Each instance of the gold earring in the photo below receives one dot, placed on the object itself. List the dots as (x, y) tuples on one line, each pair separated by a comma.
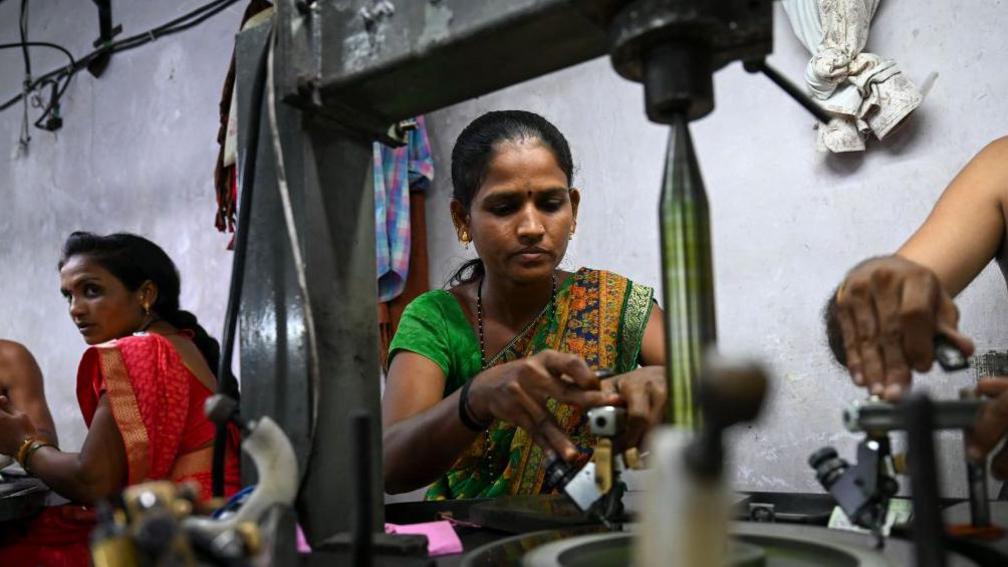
[(146, 308), (465, 239)]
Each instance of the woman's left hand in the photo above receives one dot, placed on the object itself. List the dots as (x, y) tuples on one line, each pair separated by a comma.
[(14, 427), (644, 394)]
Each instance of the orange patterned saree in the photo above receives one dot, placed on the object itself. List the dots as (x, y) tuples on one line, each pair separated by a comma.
[(598, 315)]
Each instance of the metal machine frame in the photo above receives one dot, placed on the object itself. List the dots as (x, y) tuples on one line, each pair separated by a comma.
[(351, 69)]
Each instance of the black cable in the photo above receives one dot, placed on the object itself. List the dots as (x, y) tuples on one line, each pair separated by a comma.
[(23, 28), (24, 137), (178, 24), (201, 19), (151, 36), (53, 106), (238, 262), (52, 102), (169, 27), (42, 81), (40, 44), (195, 12)]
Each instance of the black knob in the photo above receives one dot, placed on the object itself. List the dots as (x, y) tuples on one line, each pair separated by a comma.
[(824, 454)]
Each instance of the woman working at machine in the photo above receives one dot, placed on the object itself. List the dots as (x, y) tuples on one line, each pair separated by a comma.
[(488, 379), (141, 388)]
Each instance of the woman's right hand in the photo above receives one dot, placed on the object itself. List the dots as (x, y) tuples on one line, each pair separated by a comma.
[(991, 426), (15, 427), (889, 310), (517, 392)]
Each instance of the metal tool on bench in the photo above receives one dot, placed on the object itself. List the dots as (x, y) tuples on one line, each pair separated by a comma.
[(156, 523), (596, 488), (863, 489)]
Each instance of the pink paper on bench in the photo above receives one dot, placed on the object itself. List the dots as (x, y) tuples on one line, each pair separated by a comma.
[(441, 536)]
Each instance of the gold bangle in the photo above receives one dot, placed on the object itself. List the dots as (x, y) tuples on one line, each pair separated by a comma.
[(35, 446), (28, 440)]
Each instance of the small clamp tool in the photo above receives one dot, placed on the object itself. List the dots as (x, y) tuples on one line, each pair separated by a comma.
[(863, 490), (596, 488)]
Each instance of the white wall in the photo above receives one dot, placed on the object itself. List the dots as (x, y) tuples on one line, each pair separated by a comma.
[(136, 153), (787, 221), (138, 145)]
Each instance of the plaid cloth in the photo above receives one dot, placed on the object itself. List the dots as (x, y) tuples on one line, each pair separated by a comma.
[(396, 172)]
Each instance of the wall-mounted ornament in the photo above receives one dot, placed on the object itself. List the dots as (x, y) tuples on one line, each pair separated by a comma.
[(867, 93)]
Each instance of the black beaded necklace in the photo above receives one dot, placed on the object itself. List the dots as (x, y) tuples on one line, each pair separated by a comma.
[(484, 363)]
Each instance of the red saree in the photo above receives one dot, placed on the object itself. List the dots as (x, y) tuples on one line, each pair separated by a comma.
[(157, 404)]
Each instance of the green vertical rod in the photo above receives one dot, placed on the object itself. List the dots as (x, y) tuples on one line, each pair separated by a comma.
[(687, 273)]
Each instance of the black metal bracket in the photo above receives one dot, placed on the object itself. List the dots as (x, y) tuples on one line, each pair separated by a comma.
[(761, 66), (106, 31)]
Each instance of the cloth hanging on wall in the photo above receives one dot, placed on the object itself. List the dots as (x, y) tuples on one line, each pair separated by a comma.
[(225, 171), (401, 178), (866, 92), (396, 172), (390, 312)]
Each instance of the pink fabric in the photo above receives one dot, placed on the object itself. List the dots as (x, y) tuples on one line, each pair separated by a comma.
[(441, 536), (302, 541)]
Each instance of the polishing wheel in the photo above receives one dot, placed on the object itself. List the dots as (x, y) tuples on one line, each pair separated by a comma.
[(754, 545)]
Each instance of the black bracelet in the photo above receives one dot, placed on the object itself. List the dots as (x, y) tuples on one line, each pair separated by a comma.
[(463, 410)]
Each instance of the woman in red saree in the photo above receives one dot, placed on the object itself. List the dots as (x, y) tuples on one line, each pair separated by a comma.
[(141, 387)]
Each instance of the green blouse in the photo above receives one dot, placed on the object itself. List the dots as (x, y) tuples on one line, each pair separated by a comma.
[(434, 326), (598, 315)]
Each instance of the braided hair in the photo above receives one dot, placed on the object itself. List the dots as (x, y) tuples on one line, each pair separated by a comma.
[(134, 260)]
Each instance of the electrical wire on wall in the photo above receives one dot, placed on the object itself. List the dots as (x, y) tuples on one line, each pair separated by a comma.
[(57, 80), (25, 135), (49, 120)]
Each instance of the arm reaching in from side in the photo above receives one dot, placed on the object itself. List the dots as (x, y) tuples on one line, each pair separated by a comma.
[(21, 380), (883, 318)]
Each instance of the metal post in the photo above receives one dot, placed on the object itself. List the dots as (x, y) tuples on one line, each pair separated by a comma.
[(687, 273), (328, 174), (360, 541), (928, 533)]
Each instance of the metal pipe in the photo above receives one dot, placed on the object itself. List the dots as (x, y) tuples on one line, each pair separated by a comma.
[(976, 477), (360, 538), (928, 533), (879, 417), (790, 88), (687, 273)]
